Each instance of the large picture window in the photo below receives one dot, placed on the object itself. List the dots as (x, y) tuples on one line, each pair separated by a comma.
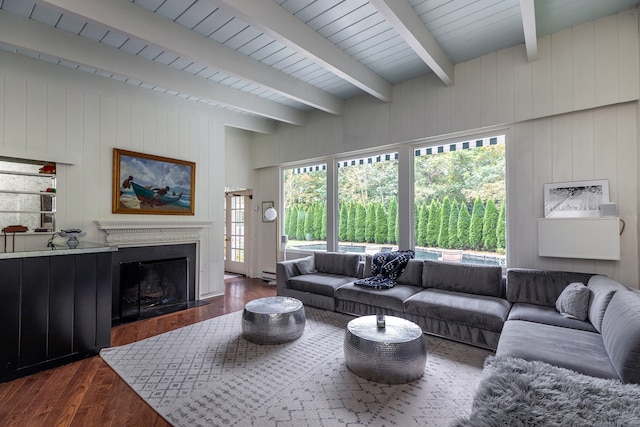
[(459, 201), (305, 207), (368, 204)]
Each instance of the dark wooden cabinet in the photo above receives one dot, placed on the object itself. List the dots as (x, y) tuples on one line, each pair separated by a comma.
[(53, 310)]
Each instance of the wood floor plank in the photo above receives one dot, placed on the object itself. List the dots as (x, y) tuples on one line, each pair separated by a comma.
[(90, 393)]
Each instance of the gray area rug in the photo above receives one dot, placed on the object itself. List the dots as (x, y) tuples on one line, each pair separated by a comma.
[(206, 374), (514, 392)]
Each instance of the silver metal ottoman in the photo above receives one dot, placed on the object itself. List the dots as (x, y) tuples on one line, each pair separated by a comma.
[(273, 320), (394, 354)]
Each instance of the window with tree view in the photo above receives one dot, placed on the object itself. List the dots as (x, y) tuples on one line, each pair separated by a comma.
[(459, 201), (305, 207), (368, 204)]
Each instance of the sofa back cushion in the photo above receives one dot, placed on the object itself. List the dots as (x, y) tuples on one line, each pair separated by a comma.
[(542, 287), (412, 274), (602, 290), (621, 334), (337, 263), (467, 278)]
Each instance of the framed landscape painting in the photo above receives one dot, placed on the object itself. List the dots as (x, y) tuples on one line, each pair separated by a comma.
[(575, 199), (147, 184)]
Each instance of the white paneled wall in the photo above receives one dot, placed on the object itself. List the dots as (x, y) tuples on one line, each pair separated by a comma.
[(570, 115), (53, 113), (592, 144)]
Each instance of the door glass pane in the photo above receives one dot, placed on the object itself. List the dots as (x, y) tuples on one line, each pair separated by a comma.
[(237, 229)]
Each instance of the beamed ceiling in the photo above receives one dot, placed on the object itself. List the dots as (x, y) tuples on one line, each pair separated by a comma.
[(278, 59)]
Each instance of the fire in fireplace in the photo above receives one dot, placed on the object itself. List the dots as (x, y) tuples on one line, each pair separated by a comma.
[(151, 288)]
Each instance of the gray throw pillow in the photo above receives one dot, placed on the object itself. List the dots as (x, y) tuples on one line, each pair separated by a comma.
[(306, 265), (573, 302)]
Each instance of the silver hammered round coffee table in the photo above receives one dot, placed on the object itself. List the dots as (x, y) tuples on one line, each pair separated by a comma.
[(273, 320), (394, 354)]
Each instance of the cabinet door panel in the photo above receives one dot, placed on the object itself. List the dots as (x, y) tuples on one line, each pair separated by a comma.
[(85, 302), (9, 315), (35, 306), (61, 295), (103, 301)]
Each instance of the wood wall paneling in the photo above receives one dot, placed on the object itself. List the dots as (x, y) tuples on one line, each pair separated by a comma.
[(15, 117), (628, 66), (562, 72), (541, 80), (488, 90), (583, 63), (37, 117)]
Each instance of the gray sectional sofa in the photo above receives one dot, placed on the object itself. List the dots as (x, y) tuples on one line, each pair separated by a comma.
[(515, 315), (458, 301), (606, 344)]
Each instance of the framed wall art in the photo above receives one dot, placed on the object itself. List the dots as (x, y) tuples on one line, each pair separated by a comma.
[(147, 184), (575, 199)]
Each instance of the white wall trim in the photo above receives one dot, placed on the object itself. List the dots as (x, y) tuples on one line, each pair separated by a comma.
[(145, 232)]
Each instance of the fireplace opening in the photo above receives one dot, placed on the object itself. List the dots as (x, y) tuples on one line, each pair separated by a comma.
[(152, 288), (136, 261)]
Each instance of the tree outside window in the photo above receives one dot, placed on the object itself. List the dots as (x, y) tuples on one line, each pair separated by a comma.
[(305, 207), (368, 204), (459, 201)]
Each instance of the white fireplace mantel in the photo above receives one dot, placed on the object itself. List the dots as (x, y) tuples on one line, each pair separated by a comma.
[(150, 232)]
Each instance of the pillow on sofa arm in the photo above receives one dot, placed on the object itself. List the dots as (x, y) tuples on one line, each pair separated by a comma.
[(573, 302), (306, 265)]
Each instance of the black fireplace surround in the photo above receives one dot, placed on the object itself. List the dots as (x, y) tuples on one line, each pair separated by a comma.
[(135, 262)]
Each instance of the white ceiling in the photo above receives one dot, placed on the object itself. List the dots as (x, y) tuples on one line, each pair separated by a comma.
[(277, 59)]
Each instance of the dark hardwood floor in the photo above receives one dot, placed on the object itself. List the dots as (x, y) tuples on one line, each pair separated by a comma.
[(89, 393)]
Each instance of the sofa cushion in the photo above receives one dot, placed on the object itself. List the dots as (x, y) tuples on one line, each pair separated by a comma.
[(573, 302), (484, 312), (337, 263), (412, 274), (468, 278), (621, 334), (548, 316), (319, 283), (392, 298), (602, 290), (581, 351), (541, 287)]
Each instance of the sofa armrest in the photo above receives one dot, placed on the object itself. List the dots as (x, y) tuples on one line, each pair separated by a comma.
[(285, 270)]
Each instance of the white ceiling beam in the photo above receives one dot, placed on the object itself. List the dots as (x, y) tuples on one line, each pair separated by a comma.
[(528, 11), (153, 28), (33, 36), (274, 20), (407, 23)]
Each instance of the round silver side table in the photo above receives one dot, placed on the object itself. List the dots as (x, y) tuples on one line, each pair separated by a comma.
[(273, 320), (394, 354)]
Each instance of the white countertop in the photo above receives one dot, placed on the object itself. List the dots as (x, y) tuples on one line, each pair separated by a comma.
[(82, 248)]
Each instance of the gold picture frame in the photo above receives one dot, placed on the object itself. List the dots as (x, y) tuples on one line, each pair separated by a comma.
[(148, 184)]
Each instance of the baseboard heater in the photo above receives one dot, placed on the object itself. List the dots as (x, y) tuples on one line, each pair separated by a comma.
[(268, 276)]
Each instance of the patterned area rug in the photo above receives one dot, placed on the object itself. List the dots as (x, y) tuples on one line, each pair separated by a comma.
[(206, 374)]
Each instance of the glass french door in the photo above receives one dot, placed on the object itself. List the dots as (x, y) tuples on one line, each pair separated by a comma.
[(235, 249)]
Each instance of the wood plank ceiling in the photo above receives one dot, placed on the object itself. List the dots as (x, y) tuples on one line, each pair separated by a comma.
[(278, 59)]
